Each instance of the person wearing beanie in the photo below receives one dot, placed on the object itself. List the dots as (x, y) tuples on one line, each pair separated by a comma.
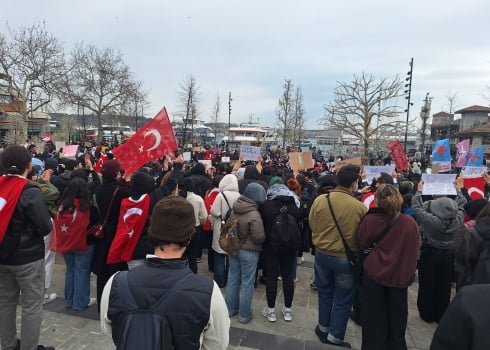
[(439, 223), (200, 180), (250, 175), (243, 265), (24, 221), (471, 246), (108, 198), (196, 311)]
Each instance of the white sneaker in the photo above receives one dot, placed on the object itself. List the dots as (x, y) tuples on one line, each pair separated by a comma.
[(270, 315), (92, 301), (287, 313), (299, 260), (49, 298), (296, 279)]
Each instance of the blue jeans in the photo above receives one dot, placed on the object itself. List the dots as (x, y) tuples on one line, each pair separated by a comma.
[(77, 277), (336, 286), (241, 278), (220, 269)]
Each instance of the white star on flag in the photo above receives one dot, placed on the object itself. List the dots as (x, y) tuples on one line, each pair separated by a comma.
[(141, 149), (64, 228)]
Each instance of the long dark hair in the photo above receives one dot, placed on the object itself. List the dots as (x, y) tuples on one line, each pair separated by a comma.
[(76, 188)]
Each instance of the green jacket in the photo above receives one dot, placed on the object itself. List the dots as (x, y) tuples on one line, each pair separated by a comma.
[(51, 195), (349, 212)]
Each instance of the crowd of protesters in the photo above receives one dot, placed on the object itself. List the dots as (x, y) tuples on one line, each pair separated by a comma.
[(404, 234)]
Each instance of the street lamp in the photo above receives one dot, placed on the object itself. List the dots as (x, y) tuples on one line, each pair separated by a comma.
[(409, 92), (229, 118)]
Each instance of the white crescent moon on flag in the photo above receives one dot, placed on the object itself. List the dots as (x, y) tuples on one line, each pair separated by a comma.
[(3, 201), (477, 190), (132, 211), (367, 202), (158, 138), (74, 215)]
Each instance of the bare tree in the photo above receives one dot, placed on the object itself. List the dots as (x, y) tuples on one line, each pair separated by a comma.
[(68, 127), (284, 111), (451, 99), (32, 62), (98, 80), (215, 116), (188, 99), (361, 102), (298, 119)]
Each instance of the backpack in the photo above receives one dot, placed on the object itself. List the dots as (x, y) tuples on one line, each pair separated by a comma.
[(228, 238), (144, 328), (285, 235)]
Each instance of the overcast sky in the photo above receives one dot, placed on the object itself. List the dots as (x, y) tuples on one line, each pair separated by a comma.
[(249, 47)]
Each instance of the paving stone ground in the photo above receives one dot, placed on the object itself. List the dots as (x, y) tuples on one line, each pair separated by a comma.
[(69, 330)]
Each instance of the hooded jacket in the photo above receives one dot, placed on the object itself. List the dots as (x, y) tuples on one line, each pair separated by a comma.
[(229, 186), (251, 233), (440, 221)]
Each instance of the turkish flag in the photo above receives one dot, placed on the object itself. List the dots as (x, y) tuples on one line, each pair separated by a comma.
[(11, 187), (98, 165), (368, 199), (132, 219), (154, 140), (398, 155), (70, 229), (475, 187)]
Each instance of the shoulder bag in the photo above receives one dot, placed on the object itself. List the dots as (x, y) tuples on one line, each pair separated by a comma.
[(97, 230)]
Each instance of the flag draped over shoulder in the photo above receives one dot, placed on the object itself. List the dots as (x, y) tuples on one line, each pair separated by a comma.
[(154, 140), (441, 152), (11, 187), (369, 200), (463, 148), (476, 157), (132, 219), (70, 229)]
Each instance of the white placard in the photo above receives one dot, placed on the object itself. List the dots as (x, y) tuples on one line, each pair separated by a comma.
[(443, 167), (186, 156), (439, 184), (225, 159), (70, 151), (473, 171), (207, 163), (250, 152), (373, 171)]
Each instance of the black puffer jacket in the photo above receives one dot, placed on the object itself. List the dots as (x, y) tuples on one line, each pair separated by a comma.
[(31, 221)]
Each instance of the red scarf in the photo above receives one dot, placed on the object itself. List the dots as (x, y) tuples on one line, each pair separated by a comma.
[(70, 229), (132, 219), (11, 187)]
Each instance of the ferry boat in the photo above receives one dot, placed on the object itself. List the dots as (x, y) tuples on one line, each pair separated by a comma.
[(245, 135)]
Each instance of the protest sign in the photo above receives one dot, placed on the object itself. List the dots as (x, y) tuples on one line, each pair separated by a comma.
[(301, 160), (373, 171), (438, 184), (250, 153), (398, 155), (355, 161), (186, 156), (442, 167), (207, 163), (473, 171), (225, 159), (308, 160), (70, 151)]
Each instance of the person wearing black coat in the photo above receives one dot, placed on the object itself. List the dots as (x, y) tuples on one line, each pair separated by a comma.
[(251, 175), (278, 262), (111, 172), (200, 180)]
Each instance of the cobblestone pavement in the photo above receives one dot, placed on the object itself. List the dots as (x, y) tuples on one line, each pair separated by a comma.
[(72, 331)]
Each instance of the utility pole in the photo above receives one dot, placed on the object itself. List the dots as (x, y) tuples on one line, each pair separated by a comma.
[(229, 116), (424, 114), (409, 91)]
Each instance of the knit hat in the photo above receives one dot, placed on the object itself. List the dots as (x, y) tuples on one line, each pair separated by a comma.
[(255, 192), (275, 180), (142, 183), (110, 168), (172, 220)]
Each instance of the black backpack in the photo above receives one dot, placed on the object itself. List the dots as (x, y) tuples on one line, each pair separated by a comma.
[(144, 328), (285, 235)]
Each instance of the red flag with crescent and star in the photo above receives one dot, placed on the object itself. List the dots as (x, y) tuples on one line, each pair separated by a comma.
[(70, 229), (369, 200), (154, 140), (11, 187), (475, 187), (132, 219)]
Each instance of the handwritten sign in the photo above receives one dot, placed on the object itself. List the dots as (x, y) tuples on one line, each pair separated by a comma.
[(225, 159), (70, 151), (439, 184), (250, 152), (473, 171), (186, 156), (207, 163), (373, 171), (441, 167)]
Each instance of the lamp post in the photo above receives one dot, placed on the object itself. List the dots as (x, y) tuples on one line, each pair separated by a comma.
[(229, 117), (409, 91)]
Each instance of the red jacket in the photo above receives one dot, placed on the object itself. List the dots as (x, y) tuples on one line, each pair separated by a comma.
[(208, 202), (393, 261)]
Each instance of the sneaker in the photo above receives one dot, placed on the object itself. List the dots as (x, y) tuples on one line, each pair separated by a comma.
[(270, 315), (299, 260), (92, 301), (295, 279), (49, 298), (287, 313), (42, 347), (244, 320), (313, 286)]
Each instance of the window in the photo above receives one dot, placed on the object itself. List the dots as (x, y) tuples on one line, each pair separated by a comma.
[(5, 99)]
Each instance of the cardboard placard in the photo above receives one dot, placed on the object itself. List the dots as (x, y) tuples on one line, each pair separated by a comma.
[(373, 171), (355, 161), (439, 184), (301, 160)]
